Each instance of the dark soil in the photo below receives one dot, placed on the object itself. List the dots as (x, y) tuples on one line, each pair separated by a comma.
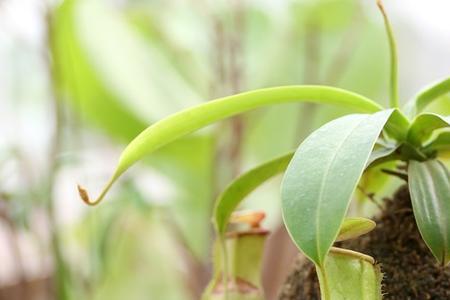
[(410, 270)]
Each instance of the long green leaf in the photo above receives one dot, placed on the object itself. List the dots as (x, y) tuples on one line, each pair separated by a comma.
[(424, 125), (429, 185), (79, 82), (243, 186), (349, 275), (431, 93), (190, 120), (322, 176)]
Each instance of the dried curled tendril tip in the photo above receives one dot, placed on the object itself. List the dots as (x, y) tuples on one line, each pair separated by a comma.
[(381, 6), (84, 195)]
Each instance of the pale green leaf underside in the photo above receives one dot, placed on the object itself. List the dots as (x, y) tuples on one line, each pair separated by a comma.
[(190, 120), (424, 125), (322, 176), (349, 275), (429, 186), (354, 227)]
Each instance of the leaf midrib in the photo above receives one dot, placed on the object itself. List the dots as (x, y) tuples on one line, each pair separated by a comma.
[(324, 179)]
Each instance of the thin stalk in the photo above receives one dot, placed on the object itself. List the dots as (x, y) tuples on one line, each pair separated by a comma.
[(393, 99), (324, 287), (61, 269)]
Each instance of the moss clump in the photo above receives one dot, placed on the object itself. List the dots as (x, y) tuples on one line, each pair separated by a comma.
[(410, 270)]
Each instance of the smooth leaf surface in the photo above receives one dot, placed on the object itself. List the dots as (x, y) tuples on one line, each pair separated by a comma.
[(431, 93), (349, 275), (440, 143), (354, 227), (398, 126), (382, 155), (244, 185), (322, 176), (190, 120), (424, 125), (429, 186)]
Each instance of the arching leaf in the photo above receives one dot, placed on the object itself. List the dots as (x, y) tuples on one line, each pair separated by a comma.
[(429, 94), (190, 120), (424, 125), (322, 176), (244, 185)]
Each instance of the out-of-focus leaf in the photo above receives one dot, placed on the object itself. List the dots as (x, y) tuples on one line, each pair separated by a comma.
[(190, 120), (320, 180), (79, 83), (129, 64), (326, 14), (424, 125), (165, 28), (349, 275), (429, 185), (112, 79), (94, 66)]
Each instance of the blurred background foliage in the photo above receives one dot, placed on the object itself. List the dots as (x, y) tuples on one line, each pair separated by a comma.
[(81, 78)]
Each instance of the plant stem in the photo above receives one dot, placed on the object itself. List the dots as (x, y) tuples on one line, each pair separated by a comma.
[(61, 270), (393, 58), (324, 287)]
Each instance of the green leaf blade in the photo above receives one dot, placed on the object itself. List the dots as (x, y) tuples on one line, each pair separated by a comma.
[(322, 177), (243, 186), (440, 143), (190, 120), (429, 186), (431, 93), (424, 125)]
